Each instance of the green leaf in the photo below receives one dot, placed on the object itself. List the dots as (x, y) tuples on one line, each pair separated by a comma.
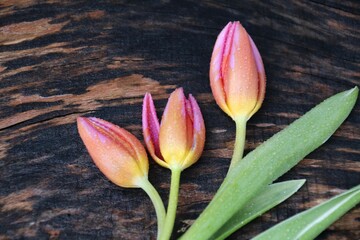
[(270, 160), (310, 223), (272, 196)]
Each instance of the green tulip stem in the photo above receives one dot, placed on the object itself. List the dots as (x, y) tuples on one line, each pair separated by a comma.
[(239, 140), (157, 202), (172, 205)]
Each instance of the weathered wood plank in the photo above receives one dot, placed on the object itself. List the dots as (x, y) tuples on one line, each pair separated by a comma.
[(63, 59)]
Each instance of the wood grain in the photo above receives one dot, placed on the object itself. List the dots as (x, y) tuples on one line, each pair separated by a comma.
[(63, 59)]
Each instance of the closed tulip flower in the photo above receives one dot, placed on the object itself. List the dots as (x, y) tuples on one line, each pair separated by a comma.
[(121, 157), (176, 143), (237, 75), (237, 79), (118, 154)]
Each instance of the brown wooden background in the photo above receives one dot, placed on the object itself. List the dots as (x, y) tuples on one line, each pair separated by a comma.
[(63, 59)]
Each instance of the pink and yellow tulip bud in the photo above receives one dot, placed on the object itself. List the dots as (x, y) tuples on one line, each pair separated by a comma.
[(179, 140), (237, 75), (118, 154)]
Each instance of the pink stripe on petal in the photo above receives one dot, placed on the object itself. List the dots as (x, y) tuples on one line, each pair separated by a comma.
[(189, 110), (221, 39), (258, 59), (218, 52), (261, 76), (216, 68), (198, 141), (198, 120), (108, 132), (189, 124), (151, 126), (226, 51)]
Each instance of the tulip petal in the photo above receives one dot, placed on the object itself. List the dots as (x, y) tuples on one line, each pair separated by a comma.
[(226, 56), (116, 152), (173, 133), (240, 89), (189, 124), (216, 66), (151, 129), (262, 78), (198, 138)]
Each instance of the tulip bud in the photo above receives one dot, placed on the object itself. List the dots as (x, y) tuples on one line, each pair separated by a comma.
[(179, 141), (118, 154), (237, 75)]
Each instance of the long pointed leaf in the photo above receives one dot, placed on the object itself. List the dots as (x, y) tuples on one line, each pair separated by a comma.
[(272, 196), (270, 160), (310, 223)]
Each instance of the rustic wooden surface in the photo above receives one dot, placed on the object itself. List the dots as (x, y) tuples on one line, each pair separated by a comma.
[(64, 59)]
